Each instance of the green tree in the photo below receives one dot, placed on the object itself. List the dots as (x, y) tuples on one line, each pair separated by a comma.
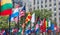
[(43, 13)]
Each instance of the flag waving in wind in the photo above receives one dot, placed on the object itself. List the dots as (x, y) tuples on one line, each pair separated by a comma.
[(22, 12), (6, 7), (14, 14)]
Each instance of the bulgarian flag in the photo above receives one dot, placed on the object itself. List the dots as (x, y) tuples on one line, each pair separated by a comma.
[(6, 7)]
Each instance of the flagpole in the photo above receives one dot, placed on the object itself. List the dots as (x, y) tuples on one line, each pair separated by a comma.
[(18, 19), (9, 25)]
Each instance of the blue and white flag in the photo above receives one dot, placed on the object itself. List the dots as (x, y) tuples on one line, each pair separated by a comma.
[(14, 14)]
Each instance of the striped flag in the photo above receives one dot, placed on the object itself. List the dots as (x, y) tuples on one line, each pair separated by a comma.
[(22, 12), (6, 7), (14, 14)]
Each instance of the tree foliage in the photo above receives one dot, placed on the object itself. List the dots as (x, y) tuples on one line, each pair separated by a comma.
[(43, 13)]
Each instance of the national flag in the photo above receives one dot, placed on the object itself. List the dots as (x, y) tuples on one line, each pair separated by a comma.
[(55, 27), (37, 28), (20, 31), (28, 18), (6, 7), (22, 12), (52, 27), (44, 24), (41, 23), (43, 27), (32, 22), (49, 23), (33, 18), (16, 20), (14, 14), (28, 30), (3, 32)]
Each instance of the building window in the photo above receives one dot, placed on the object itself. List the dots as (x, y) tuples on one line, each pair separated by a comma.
[(45, 1), (38, 7), (41, 2), (59, 8), (50, 9), (55, 0), (55, 19), (54, 14), (54, 4), (34, 2), (37, 1), (54, 9), (50, 0), (34, 8), (41, 6), (59, 13), (50, 5), (59, 3), (45, 5)]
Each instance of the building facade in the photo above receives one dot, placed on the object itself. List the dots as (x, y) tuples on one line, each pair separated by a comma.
[(53, 5)]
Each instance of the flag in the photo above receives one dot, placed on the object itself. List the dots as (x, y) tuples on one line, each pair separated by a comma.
[(44, 24), (6, 7), (49, 23), (32, 22), (43, 27), (3, 32), (28, 18), (37, 28), (14, 14), (52, 27), (22, 12), (41, 23), (16, 19), (28, 30), (20, 31), (55, 27), (33, 18)]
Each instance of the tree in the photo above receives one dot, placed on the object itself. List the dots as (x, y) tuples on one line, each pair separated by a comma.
[(43, 13)]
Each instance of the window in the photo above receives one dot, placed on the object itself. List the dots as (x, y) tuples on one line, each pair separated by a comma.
[(59, 13), (34, 2), (49, 0), (59, 3), (54, 9), (50, 9), (37, 1), (54, 4), (34, 8), (41, 2), (45, 1), (45, 5), (59, 8), (55, 19), (41, 6), (54, 14), (50, 5), (55, 0), (38, 7)]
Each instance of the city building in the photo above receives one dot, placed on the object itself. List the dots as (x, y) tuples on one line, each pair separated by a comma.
[(53, 5)]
